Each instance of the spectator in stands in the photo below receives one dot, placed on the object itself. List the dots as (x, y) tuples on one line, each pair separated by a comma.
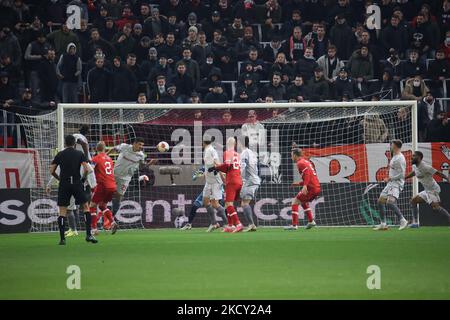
[(192, 68), (271, 51), (288, 26), (147, 62), (195, 98), (235, 30), (7, 91), (207, 66), (60, 39), (388, 87), (100, 20), (306, 65), (27, 105), (141, 99), (171, 50), (249, 86), (144, 13), (428, 110), (127, 17), (272, 13), (225, 10), (175, 6), (318, 89), (69, 69), (201, 49), (360, 66), (281, 66), (14, 72), (258, 66), (212, 24), (394, 64), (34, 54), (223, 56), (439, 128), (375, 130), (413, 66), (192, 21), (160, 89), (135, 69), (295, 46), (191, 40), (341, 36), (48, 78), (345, 85), (268, 99), (415, 89), (207, 85), (83, 36), (330, 64), (109, 30), (275, 88), (171, 96), (247, 43), (137, 33), (161, 69), (226, 117), (123, 82), (394, 36), (296, 92), (183, 82), (172, 24), (242, 96), (98, 42), (99, 82), (247, 10), (374, 49), (319, 42), (438, 71), (123, 41), (9, 45), (216, 95), (154, 24)]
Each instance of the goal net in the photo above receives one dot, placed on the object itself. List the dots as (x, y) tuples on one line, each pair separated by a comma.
[(348, 143)]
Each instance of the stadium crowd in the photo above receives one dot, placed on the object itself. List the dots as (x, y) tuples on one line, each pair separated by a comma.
[(179, 51)]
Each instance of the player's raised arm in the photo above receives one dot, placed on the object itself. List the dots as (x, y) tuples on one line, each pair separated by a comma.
[(442, 175), (53, 167), (410, 175)]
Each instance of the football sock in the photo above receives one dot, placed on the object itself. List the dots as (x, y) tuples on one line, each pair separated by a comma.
[(444, 212), (221, 213), (294, 214), (61, 221), (415, 212), (308, 211), (87, 217), (396, 210), (107, 214), (94, 217), (248, 213), (382, 208), (71, 220), (193, 212), (212, 214), (233, 215)]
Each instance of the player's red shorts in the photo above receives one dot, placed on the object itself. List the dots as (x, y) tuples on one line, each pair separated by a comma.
[(312, 194), (102, 194), (232, 192)]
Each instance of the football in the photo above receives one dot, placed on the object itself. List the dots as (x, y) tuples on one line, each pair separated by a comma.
[(163, 146)]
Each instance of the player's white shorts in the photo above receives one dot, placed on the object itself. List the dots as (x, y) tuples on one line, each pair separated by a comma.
[(391, 191), (122, 185), (213, 191), (248, 192), (430, 196)]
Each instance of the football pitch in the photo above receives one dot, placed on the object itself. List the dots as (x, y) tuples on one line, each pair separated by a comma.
[(322, 263)]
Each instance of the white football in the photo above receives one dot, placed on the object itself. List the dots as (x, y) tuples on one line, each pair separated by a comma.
[(163, 146)]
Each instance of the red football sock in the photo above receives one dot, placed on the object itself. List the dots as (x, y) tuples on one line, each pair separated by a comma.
[(108, 215), (294, 214), (94, 217), (233, 217), (308, 211)]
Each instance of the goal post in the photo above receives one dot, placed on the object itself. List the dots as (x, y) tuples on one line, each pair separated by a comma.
[(346, 141)]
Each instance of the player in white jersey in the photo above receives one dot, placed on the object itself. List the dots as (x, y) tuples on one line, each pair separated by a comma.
[(395, 183), (212, 192), (250, 182), (82, 143), (431, 189), (130, 158)]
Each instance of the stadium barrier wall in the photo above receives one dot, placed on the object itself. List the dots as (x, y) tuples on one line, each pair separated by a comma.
[(155, 209)]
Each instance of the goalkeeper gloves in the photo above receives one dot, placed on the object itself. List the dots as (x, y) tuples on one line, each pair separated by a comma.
[(197, 174)]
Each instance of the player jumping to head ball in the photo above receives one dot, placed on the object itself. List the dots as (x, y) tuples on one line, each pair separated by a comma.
[(310, 189), (430, 195)]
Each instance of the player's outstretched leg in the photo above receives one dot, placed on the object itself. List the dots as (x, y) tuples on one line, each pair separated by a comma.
[(294, 214), (235, 219), (415, 212), (248, 213), (391, 204), (88, 221), (115, 209), (72, 224), (221, 213), (309, 215), (212, 217)]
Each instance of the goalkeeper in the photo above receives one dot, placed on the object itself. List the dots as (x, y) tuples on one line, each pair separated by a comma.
[(198, 203)]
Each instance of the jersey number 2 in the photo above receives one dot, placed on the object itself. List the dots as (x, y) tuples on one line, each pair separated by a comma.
[(108, 168)]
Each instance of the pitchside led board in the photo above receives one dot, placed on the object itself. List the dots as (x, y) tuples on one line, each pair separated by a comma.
[(334, 168)]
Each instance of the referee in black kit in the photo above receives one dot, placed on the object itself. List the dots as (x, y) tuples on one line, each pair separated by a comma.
[(71, 183)]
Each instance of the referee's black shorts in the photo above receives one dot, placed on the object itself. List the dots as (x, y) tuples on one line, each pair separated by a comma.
[(67, 190)]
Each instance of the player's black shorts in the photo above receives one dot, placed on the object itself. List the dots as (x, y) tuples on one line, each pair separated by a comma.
[(67, 190)]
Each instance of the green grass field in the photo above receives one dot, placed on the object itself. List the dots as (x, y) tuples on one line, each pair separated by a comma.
[(323, 263)]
